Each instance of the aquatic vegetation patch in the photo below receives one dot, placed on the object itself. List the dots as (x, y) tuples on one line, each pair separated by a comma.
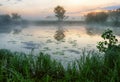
[(49, 41), (73, 51), (58, 53), (47, 48), (31, 45)]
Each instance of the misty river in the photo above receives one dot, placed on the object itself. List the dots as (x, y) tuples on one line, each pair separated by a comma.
[(60, 41)]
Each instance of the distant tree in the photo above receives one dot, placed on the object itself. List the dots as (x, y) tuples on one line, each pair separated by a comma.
[(60, 13), (5, 19), (16, 19), (115, 16), (15, 16), (98, 17)]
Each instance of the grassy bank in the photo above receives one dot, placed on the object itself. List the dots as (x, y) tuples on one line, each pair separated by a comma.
[(21, 67)]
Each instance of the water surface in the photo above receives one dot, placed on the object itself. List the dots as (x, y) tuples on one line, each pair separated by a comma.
[(61, 42)]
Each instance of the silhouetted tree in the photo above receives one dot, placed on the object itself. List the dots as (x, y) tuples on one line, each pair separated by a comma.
[(98, 17), (5, 19), (15, 16), (60, 13)]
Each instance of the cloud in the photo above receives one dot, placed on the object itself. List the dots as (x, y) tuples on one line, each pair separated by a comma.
[(82, 11), (97, 8), (111, 7)]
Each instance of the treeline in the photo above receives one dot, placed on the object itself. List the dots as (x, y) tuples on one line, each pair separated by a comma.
[(112, 16), (14, 18)]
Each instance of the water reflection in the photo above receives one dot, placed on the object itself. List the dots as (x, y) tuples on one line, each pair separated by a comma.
[(51, 40), (59, 35), (93, 30), (90, 31), (5, 29), (15, 29)]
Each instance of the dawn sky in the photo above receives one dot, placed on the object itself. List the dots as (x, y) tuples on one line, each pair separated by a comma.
[(43, 8)]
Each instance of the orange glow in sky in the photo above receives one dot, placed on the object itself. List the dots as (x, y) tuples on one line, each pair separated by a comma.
[(46, 7)]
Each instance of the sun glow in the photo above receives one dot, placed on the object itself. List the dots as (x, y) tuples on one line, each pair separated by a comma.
[(75, 2), (43, 8)]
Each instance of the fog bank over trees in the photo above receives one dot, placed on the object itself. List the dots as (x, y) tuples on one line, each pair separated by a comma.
[(14, 18), (111, 16)]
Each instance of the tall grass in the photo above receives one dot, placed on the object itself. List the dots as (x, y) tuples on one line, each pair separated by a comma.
[(21, 67)]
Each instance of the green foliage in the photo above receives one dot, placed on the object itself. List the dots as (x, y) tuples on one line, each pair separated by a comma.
[(110, 41), (60, 13), (90, 67), (110, 47), (21, 67)]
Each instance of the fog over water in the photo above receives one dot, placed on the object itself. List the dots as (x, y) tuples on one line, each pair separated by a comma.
[(63, 42)]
